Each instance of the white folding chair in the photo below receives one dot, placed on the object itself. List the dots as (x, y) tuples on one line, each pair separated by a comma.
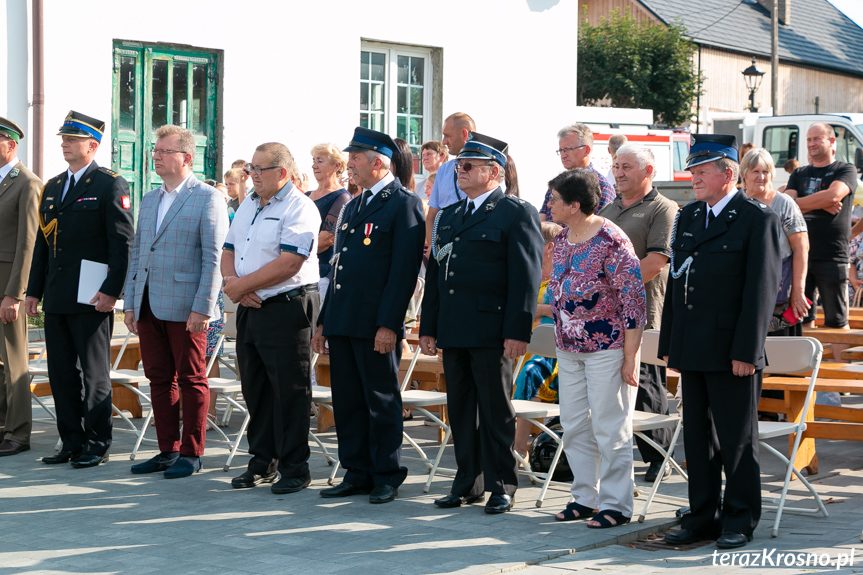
[(322, 397), (227, 390), (38, 371), (421, 400), (541, 343), (642, 422), (788, 355)]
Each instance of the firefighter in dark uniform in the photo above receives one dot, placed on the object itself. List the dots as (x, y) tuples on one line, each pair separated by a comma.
[(378, 246), (725, 271), (84, 214), (480, 299)]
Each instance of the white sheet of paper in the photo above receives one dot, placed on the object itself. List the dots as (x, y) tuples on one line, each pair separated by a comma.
[(92, 276)]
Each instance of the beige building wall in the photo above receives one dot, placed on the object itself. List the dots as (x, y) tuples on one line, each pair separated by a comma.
[(725, 86)]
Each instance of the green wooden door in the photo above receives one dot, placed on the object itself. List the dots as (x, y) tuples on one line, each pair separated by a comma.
[(154, 86)]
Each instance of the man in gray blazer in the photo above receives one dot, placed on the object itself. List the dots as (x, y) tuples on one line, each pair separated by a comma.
[(171, 293)]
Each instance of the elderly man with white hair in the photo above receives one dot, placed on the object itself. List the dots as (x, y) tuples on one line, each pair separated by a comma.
[(647, 218)]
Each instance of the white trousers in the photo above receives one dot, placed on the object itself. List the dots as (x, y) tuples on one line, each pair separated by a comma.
[(596, 414)]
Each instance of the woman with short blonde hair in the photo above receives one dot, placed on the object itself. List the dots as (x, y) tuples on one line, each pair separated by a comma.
[(328, 164)]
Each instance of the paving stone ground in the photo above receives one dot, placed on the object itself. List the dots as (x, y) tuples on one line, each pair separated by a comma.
[(55, 519)]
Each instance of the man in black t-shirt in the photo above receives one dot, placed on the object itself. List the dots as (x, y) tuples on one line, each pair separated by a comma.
[(823, 192)]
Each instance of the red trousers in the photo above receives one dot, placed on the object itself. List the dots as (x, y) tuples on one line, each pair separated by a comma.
[(175, 363)]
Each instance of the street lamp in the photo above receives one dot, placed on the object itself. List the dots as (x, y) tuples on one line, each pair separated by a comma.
[(753, 75)]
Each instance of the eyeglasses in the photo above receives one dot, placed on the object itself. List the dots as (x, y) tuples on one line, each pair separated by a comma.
[(257, 170), (562, 151), (158, 152), (554, 199), (468, 166)]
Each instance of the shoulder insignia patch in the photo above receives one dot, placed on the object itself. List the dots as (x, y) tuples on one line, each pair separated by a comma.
[(126, 202), (109, 172)]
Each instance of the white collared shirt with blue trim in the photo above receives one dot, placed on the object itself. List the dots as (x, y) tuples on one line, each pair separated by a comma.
[(289, 222)]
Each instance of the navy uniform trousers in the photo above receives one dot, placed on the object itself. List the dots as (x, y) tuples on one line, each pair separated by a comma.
[(83, 406), (731, 443), (479, 388), (368, 412)]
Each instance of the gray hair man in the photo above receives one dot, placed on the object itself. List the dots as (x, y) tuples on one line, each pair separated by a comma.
[(647, 218), (575, 143), (614, 144)]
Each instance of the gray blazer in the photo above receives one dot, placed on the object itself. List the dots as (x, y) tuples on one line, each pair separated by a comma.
[(179, 262)]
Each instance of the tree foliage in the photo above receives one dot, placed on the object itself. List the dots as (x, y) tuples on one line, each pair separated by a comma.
[(637, 66)]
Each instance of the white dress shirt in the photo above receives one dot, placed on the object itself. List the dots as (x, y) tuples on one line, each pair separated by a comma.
[(4, 171), (718, 207), (78, 175), (384, 182), (166, 200)]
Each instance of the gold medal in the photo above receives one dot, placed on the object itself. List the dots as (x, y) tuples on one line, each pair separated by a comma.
[(367, 241), (368, 231)]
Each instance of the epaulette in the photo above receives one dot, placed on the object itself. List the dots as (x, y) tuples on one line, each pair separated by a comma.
[(111, 173), (513, 199), (757, 203)]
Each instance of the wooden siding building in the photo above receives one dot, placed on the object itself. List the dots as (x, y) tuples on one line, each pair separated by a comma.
[(820, 52)]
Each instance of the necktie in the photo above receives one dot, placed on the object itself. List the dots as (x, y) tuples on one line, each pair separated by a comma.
[(468, 211), (710, 217), (365, 197), (69, 189)]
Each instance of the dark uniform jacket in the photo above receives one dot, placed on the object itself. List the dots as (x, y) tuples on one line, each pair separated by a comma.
[(373, 284), (487, 291), (94, 223), (724, 312)]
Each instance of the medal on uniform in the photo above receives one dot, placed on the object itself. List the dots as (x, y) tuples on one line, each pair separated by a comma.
[(368, 232)]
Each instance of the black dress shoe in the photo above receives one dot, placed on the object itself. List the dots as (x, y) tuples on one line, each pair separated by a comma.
[(161, 462), (732, 540), (89, 461), (291, 484), (61, 457), (344, 489), (453, 500), (653, 471), (383, 494), (682, 537), (9, 447), (499, 503), (249, 479)]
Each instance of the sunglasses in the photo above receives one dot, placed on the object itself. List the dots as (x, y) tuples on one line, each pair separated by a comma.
[(468, 166)]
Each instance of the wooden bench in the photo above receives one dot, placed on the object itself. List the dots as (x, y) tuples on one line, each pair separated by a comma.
[(849, 426)]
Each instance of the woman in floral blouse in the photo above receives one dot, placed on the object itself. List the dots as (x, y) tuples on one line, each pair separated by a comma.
[(599, 310)]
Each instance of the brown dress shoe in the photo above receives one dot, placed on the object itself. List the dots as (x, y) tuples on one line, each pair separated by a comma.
[(9, 447)]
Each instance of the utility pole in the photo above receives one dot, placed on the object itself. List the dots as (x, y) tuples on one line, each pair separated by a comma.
[(774, 60)]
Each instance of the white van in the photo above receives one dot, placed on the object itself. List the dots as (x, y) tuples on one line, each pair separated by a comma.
[(785, 138)]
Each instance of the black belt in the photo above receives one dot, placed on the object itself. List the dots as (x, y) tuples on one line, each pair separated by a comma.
[(287, 295)]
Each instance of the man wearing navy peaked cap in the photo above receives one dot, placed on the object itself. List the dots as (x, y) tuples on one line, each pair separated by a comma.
[(378, 251), (725, 268), (85, 213), (479, 304)]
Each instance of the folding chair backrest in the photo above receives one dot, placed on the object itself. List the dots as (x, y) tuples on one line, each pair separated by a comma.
[(229, 306), (229, 329), (650, 347), (792, 354), (122, 351), (542, 341)]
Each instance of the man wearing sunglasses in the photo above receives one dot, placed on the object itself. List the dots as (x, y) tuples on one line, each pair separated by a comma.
[(172, 292), (481, 289), (575, 143)]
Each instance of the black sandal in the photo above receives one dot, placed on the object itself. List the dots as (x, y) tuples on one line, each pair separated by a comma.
[(569, 514), (603, 519)]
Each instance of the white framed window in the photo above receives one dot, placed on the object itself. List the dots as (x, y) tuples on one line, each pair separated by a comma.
[(396, 91)]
